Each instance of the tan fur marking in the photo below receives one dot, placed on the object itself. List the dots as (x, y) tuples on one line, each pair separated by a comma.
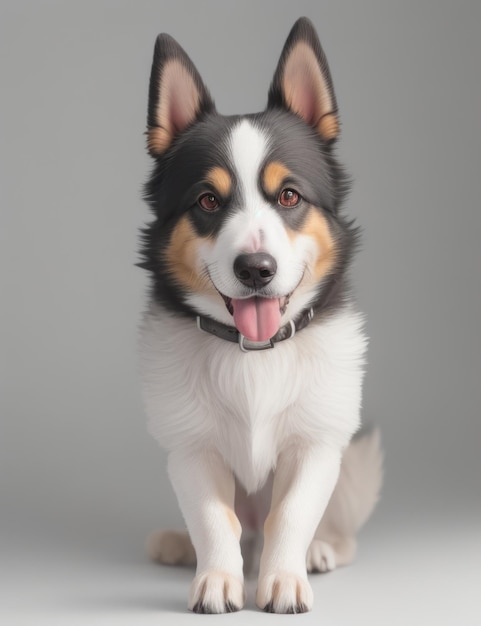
[(317, 228), (158, 140), (270, 522), (274, 174), (220, 179), (181, 255), (234, 522), (328, 127), (276, 588)]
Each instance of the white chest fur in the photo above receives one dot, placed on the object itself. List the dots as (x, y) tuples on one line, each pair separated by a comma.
[(202, 391)]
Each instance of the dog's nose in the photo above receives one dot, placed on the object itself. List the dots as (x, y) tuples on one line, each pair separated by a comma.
[(255, 270)]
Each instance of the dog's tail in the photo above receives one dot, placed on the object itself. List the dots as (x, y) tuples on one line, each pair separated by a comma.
[(358, 488)]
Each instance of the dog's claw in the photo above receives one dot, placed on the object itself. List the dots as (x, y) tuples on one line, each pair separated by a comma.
[(284, 593), (216, 592)]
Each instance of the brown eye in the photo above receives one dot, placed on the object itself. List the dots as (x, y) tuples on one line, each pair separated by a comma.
[(209, 202), (288, 198)]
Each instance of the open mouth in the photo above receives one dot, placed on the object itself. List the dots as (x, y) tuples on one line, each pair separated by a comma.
[(257, 318)]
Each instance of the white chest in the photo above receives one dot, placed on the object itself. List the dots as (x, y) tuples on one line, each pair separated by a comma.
[(200, 390)]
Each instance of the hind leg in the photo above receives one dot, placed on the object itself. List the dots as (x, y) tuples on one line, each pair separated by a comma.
[(174, 547), (326, 555), (171, 547), (351, 503)]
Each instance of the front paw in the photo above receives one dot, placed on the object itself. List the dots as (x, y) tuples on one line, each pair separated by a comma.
[(283, 592), (215, 591)]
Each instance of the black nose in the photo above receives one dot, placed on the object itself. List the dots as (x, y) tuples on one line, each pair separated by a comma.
[(255, 270)]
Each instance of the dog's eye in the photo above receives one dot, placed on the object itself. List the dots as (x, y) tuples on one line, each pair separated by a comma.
[(209, 202), (289, 198)]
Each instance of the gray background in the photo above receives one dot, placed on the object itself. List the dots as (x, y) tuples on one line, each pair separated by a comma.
[(81, 482)]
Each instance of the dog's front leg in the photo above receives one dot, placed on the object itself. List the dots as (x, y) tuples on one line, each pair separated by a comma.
[(205, 489), (303, 483)]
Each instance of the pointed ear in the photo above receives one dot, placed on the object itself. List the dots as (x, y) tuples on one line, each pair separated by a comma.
[(177, 95), (302, 81)]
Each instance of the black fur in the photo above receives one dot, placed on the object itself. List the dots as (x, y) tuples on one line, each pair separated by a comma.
[(179, 175)]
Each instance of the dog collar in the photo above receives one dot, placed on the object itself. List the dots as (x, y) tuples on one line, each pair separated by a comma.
[(229, 333)]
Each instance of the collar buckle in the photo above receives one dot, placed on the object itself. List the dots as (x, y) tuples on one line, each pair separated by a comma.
[(246, 345)]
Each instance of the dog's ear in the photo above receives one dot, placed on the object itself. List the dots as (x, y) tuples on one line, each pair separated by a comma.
[(302, 81), (177, 95)]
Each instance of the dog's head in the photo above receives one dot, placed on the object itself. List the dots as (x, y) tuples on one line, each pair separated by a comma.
[(247, 227)]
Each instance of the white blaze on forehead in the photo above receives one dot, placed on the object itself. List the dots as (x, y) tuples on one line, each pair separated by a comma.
[(254, 225), (248, 147)]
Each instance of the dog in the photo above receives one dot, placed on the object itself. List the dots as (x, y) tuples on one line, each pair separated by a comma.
[(252, 350)]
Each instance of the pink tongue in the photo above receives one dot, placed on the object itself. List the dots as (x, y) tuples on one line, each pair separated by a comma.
[(258, 319)]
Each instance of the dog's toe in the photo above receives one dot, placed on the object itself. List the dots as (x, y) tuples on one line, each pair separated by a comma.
[(283, 592), (216, 592)]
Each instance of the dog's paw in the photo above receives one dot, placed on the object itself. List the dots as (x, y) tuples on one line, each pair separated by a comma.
[(171, 547), (216, 592), (283, 592), (320, 557)]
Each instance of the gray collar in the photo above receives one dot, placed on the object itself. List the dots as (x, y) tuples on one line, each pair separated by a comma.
[(229, 333)]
